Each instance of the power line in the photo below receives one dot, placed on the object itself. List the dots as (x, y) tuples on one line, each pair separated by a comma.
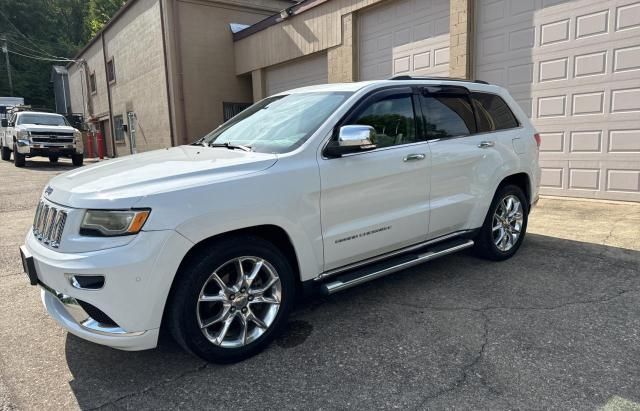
[(22, 34), (24, 49), (41, 58)]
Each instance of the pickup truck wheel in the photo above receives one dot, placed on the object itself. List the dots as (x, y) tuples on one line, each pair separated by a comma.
[(19, 160), (232, 299), (504, 226), (53, 159), (6, 153), (77, 159)]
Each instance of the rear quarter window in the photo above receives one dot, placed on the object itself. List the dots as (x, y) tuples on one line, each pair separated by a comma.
[(492, 113)]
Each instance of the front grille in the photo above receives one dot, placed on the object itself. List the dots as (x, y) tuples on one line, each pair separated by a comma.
[(51, 133), (65, 140), (48, 224)]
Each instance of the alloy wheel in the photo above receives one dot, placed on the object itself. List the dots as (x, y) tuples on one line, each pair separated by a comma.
[(239, 302), (507, 223)]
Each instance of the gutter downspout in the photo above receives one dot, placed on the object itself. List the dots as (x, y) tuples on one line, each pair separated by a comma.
[(166, 74), (106, 77)]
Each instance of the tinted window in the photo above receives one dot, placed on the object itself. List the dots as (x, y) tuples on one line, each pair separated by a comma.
[(447, 116), (493, 113), (393, 119)]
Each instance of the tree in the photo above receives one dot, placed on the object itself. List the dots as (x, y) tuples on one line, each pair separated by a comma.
[(39, 31), (99, 12)]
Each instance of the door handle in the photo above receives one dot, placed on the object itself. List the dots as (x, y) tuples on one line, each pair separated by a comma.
[(486, 144), (414, 157)]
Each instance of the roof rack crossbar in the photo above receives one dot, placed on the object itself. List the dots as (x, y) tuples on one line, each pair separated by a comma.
[(407, 77)]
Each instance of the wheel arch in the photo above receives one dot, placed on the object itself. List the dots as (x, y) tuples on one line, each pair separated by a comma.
[(272, 233), (521, 180)]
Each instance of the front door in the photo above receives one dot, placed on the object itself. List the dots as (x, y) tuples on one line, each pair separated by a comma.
[(377, 201)]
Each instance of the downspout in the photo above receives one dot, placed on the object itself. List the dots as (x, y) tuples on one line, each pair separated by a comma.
[(106, 77), (166, 75)]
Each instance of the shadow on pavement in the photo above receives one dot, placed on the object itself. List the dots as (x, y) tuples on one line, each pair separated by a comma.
[(554, 326)]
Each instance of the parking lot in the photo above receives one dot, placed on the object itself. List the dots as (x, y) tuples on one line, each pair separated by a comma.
[(557, 326)]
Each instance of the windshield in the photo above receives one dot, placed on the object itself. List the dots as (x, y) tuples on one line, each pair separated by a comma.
[(277, 124), (42, 120)]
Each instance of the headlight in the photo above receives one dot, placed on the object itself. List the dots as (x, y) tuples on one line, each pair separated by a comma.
[(109, 223), (77, 139), (22, 134)]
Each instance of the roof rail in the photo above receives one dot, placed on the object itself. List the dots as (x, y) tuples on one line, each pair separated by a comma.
[(406, 77)]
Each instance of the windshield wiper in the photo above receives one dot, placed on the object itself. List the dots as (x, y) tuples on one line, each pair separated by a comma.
[(231, 146)]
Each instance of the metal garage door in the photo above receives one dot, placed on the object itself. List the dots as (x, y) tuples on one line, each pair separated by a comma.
[(574, 66), (307, 71), (404, 37)]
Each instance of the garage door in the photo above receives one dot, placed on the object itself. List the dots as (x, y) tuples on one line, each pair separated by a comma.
[(404, 37), (574, 66), (307, 71)]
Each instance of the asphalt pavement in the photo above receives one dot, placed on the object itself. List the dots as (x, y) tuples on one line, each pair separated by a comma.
[(555, 327)]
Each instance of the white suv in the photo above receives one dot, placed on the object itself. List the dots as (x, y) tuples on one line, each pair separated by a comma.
[(319, 188)]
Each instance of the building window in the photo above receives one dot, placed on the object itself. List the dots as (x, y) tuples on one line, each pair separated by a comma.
[(118, 125), (111, 71), (92, 83), (231, 109)]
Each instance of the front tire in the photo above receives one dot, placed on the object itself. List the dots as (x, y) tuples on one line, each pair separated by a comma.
[(504, 226), (231, 299), (53, 159), (19, 160), (6, 153), (77, 159)]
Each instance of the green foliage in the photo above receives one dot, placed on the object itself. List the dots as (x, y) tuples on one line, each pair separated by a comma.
[(52, 28), (99, 12)]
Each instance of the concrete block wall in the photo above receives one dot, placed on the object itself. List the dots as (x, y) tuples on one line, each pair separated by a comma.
[(460, 32)]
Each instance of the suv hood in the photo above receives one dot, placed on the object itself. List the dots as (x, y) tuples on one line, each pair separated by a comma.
[(122, 182), (34, 127)]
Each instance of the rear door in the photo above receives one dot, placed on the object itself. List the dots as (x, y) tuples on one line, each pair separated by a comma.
[(377, 201), (465, 163)]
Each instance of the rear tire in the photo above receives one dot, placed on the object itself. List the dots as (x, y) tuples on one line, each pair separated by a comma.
[(504, 226), (214, 287), (77, 159), (53, 159), (19, 160), (6, 153)]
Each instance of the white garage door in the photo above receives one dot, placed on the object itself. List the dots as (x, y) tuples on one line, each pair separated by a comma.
[(307, 71), (404, 37), (574, 66)]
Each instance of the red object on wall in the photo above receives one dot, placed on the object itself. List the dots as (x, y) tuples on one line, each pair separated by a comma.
[(90, 145), (100, 144)]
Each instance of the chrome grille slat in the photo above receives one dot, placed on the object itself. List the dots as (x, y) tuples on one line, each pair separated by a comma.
[(48, 224)]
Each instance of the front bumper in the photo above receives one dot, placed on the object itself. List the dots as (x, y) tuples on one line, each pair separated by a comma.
[(138, 277), (28, 148)]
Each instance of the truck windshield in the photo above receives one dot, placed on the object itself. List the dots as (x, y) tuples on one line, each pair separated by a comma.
[(42, 120), (277, 124)]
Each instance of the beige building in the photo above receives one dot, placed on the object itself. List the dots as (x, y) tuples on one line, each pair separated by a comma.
[(573, 66), (161, 72)]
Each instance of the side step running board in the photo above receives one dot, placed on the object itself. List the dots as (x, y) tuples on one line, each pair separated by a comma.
[(377, 270)]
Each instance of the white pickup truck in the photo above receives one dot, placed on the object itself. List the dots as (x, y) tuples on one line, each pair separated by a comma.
[(35, 134), (319, 188)]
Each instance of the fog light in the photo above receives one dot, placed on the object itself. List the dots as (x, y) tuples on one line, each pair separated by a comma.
[(86, 281)]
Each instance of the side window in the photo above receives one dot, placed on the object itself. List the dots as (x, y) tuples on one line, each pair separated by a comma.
[(392, 117), (447, 116), (493, 113)]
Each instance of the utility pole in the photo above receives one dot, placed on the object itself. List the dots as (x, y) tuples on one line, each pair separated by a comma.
[(5, 50)]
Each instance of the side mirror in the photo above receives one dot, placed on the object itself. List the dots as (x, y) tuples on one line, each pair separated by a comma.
[(5, 123), (352, 139)]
